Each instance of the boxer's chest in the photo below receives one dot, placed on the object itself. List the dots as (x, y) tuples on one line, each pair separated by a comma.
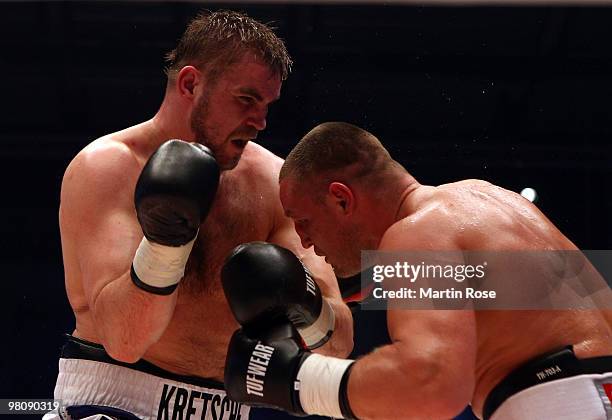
[(241, 213), (204, 322)]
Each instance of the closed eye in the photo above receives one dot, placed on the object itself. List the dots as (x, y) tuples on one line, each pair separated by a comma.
[(247, 100)]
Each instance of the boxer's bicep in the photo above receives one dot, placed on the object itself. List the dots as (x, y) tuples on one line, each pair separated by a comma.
[(106, 254), (99, 227), (445, 342), (446, 338), (427, 371), (450, 333)]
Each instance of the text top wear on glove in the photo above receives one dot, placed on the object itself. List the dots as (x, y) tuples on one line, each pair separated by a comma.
[(272, 370)]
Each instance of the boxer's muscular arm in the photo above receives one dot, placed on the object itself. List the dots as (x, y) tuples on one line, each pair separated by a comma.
[(428, 370), (284, 234), (426, 373), (97, 217)]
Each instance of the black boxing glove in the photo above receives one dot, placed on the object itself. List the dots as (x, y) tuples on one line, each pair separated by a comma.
[(272, 370), (264, 282), (173, 196), (261, 371)]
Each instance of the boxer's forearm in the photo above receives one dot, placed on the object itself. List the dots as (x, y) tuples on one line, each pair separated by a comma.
[(129, 319), (389, 384)]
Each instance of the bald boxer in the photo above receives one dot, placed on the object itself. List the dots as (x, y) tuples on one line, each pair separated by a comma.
[(346, 194), (148, 215)]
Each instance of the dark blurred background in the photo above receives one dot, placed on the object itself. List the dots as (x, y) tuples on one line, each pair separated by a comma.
[(516, 96)]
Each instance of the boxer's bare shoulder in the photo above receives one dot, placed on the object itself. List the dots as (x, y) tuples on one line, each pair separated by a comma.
[(100, 178), (444, 207), (98, 160), (474, 214), (110, 159), (262, 165)]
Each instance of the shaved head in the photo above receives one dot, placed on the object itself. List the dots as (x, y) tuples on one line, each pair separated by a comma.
[(338, 151)]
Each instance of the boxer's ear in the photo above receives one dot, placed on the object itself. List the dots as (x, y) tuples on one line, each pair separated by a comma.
[(342, 197), (187, 80)]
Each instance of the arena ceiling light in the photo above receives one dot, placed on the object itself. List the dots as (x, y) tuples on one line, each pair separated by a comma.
[(530, 194)]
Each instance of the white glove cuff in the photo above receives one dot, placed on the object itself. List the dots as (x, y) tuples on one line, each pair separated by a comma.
[(159, 267), (320, 331), (319, 381)]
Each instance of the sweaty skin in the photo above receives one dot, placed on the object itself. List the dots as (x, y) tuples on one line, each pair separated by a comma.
[(441, 360), (188, 331)]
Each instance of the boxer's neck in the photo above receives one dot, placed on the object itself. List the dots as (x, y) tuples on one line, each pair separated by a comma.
[(395, 195), (400, 196), (172, 120)]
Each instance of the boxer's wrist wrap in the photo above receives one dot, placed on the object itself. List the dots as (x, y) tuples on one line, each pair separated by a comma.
[(321, 330), (159, 268), (320, 382)]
